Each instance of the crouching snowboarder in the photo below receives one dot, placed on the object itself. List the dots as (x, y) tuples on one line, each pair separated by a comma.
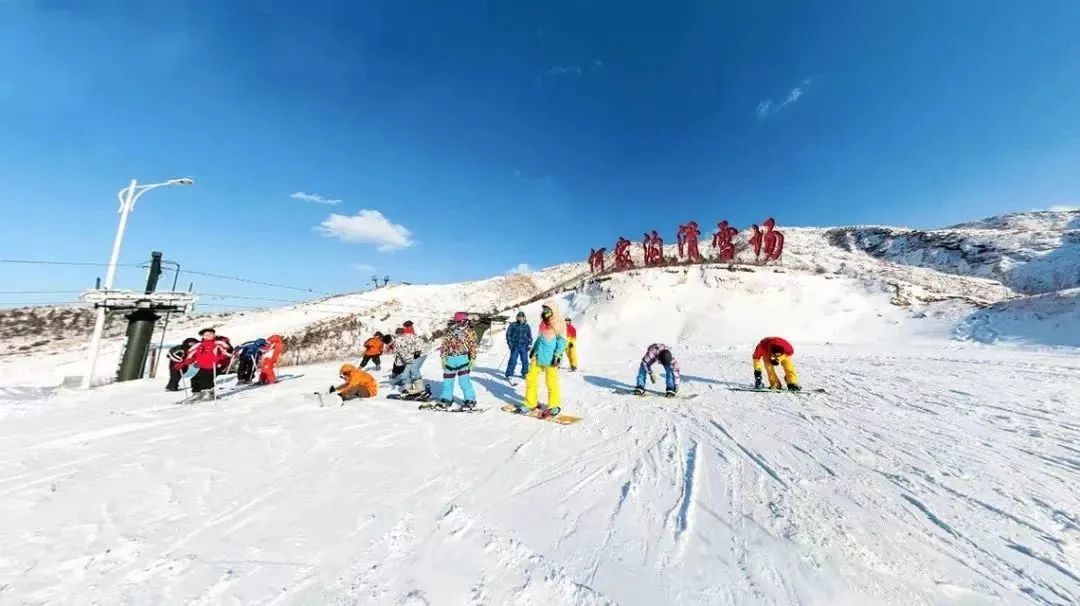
[(271, 353), (658, 352), (779, 353), (409, 358), (248, 356), (358, 384)]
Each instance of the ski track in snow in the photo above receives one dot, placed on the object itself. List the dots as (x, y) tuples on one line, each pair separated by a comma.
[(907, 483)]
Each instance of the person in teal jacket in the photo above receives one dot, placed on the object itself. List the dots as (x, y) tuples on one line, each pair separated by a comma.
[(546, 353)]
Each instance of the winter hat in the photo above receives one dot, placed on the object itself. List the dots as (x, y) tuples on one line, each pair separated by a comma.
[(206, 330), (399, 331), (521, 314), (555, 320), (190, 341), (408, 324), (461, 317), (387, 339)]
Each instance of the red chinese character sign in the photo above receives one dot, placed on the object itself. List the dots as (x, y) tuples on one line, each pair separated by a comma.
[(723, 241), (767, 241)]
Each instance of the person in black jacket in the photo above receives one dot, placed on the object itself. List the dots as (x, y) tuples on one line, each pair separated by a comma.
[(177, 354)]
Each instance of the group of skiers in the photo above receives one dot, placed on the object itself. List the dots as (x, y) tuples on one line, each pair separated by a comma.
[(212, 355), (769, 353)]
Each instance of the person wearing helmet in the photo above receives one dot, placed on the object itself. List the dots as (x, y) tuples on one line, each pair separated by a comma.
[(658, 352), (409, 358), (779, 352), (571, 345), (518, 339), (271, 353), (177, 366), (358, 384), (458, 353), (248, 355), (546, 353)]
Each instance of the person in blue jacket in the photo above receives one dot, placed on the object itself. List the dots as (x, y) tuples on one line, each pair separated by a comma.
[(248, 355), (518, 339)]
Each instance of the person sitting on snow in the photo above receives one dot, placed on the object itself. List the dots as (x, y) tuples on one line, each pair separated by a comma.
[(779, 353), (658, 352), (358, 384)]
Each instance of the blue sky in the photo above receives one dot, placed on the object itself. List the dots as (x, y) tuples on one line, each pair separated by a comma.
[(477, 135)]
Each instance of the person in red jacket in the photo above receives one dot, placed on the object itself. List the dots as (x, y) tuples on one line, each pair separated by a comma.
[(207, 355), (778, 352), (408, 326), (275, 346)]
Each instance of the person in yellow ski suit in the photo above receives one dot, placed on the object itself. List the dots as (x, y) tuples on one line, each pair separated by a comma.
[(571, 345), (546, 353)]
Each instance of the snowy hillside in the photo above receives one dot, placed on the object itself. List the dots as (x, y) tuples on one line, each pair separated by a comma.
[(1032, 252), (933, 471)]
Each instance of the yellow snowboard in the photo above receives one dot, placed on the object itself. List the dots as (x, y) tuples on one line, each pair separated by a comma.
[(561, 419)]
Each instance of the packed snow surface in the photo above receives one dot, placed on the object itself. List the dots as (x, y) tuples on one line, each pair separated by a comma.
[(933, 471)]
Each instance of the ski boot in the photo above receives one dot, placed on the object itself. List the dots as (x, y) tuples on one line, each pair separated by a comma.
[(547, 413), (793, 387), (639, 391), (671, 393), (468, 406)]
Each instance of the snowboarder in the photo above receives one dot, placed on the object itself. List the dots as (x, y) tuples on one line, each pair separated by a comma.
[(571, 345), (658, 352), (458, 355), (779, 352), (271, 353), (545, 356), (373, 349), (177, 354), (409, 357), (248, 356), (358, 384), (207, 355), (518, 339)]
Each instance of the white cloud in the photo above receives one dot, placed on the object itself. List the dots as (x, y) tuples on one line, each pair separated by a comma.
[(363, 267), (316, 198), (521, 268), (367, 227), (564, 70), (769, 107)]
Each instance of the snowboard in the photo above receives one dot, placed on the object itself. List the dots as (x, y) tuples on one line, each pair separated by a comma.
[(438, 407), (655, 394), (561, 419), (765, 390), (397, 396)]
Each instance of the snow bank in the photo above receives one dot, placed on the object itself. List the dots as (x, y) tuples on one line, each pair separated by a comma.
[(1048, 319)]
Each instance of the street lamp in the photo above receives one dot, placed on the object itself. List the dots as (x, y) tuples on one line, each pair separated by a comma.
[(128, 197)]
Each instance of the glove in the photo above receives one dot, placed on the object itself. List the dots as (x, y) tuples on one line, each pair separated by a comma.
[(416, 355), (758, 382), (556, 360), (793, 387), (532, 353), (569, 345), (333, 389)]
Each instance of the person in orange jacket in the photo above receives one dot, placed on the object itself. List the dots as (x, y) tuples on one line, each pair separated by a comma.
[(373, 350), (358, 384), (271, 353)]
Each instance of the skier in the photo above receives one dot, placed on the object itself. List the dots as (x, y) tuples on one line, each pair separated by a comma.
[(271, 353), (779, 353), (373, 349), (546, 353), (358, 384), (658, 352), (458, 354), (409, 357), (177, 353), (207, 355), (571, 344), (518, 339), (248, 355)]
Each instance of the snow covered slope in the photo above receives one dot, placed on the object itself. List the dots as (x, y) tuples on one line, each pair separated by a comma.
[(1033, 252), (934, 471)]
